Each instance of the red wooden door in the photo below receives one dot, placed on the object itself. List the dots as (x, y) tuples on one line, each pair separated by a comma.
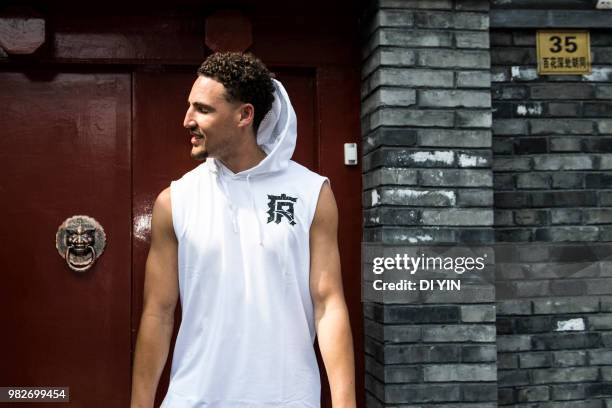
[(324, 102), (65, 150)]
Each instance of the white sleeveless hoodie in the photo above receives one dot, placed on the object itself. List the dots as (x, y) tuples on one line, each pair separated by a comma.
[(247, 331)]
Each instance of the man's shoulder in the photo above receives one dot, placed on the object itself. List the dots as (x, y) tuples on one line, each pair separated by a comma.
[(184, 187), (193, 172), (162, 210), (164, 196), (299, 169)]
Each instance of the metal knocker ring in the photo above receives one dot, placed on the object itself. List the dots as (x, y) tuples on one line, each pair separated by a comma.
[(80, 266), (80, 240)]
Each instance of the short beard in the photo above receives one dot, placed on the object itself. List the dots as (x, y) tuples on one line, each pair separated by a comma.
[(200, 156)]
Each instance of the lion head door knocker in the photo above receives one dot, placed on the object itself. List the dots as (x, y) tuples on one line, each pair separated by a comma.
[(80, 240)]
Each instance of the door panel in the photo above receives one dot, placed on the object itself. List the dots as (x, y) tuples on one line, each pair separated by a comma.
[(160, 154), (338, 102), (65, 150)]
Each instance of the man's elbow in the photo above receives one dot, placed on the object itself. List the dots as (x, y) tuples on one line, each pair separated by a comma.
[(328, 300), (161, 311)]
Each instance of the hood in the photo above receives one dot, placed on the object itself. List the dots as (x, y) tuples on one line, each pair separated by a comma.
[(276, 136)]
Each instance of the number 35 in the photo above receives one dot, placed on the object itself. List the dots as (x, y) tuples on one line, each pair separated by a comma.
[(570, 44)]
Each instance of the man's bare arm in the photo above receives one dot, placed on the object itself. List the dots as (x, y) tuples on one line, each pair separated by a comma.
[(159, 302), (331, 313)]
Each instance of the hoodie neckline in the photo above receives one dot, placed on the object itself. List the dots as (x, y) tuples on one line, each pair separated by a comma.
[(276, 136)]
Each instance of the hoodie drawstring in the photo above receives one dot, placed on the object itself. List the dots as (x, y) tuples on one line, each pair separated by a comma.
[(228, 198), (259, 227), (232, 207)]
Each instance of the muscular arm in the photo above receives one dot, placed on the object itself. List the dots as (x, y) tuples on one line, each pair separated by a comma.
[(331, 313), (160, 297)]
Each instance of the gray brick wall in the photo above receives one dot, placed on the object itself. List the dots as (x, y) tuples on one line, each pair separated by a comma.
[(428, 180), (426, 117), (552, 144), (542, 185), (552, 152), (556, 352), (430, 354)]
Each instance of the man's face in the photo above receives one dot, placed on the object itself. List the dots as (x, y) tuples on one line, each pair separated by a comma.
[(212, 120)]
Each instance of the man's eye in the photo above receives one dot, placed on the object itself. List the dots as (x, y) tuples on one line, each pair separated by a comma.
[(202, 110)]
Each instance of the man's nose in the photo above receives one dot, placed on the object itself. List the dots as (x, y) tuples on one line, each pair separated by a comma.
[(188, 122)]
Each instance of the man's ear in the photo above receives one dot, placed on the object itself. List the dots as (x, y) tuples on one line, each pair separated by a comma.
[(247, 114)]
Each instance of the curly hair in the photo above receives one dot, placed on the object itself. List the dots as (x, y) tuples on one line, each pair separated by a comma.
[(245, 78)]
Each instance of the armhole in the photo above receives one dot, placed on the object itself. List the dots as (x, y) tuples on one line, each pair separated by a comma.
[(313, 208), (176, 214)]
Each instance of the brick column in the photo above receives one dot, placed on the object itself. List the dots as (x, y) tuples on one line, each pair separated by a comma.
[(426, 123), (553, 180)]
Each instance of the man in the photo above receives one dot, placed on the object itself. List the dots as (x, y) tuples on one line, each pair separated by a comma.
[(248, 238)]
